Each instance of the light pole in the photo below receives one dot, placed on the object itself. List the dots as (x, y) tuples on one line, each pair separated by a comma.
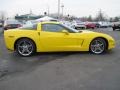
[(62, 9), (48, 10), (58, 9)]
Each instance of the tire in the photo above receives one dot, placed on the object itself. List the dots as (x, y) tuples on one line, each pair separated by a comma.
[(98, 46), (113, 29), (76, 28), (25, 47)]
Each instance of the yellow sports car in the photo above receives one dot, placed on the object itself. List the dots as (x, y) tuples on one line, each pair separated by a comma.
[(54, 37)]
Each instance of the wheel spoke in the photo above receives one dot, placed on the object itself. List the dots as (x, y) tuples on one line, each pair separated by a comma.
[(27, 51), (101, 48), (23, 51), (95, 49), (100, 44), (24, 43), (20, 47), (29, 46), (96, 42)]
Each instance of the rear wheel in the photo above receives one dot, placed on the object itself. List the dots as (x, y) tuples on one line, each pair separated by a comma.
[(25, 47), (76, 28), (98, 46)]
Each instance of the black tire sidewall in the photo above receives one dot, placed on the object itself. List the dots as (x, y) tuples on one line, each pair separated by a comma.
[(113, 29)]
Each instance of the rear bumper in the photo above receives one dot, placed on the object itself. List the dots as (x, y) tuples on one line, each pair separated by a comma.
[(116, 27), (9, 42), (77, 26)]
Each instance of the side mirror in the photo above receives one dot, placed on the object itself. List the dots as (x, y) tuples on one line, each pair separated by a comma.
[(66, 32)]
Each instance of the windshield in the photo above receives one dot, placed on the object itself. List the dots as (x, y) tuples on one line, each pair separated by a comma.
[(70, 28)]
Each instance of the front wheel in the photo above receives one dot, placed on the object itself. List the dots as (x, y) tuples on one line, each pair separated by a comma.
[(25, 47), (98, 46)]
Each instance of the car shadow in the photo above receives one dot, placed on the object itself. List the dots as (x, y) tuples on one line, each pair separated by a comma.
[(17, 65)]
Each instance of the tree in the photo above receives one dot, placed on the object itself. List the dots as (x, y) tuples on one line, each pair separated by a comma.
[(100, 16), (89, 18), (83, 19), (116, 19), (111, 19)]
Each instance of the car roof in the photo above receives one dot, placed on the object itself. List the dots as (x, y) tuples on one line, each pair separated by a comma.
[(12, 22), (51, 22)]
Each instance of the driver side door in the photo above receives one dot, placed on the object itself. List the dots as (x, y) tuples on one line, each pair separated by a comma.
[(53, 39)]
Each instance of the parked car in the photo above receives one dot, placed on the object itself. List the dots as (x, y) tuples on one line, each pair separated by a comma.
[(97, 25), (30, 22), (90, 25), (54, 37), (67, 23), (104, 24), (116, 25), (11, 24), (1, 23), (78, 25)]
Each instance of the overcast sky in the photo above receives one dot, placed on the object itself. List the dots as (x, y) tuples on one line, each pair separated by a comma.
[(73, 7)]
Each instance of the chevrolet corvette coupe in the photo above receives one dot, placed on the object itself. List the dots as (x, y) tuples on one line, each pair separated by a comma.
[(55, 37)]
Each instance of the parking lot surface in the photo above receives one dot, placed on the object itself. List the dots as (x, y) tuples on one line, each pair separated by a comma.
[(61, 71)]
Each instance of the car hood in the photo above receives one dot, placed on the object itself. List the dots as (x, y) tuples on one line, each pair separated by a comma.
[(92, 34)]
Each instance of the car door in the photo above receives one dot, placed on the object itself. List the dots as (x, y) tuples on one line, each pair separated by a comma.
[(53, 39)]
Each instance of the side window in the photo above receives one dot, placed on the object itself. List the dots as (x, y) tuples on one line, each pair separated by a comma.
[(52, 27), (29, 27)]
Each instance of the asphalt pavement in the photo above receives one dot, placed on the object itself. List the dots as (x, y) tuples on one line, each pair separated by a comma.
[(1, 30), (61, 71)]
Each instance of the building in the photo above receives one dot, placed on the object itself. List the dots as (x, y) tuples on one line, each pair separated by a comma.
[(27, 17)]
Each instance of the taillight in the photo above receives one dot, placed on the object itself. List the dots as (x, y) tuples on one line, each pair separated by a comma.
[(19, 25)]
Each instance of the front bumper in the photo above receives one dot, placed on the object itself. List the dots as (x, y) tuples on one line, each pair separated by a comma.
[(111, 44)]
